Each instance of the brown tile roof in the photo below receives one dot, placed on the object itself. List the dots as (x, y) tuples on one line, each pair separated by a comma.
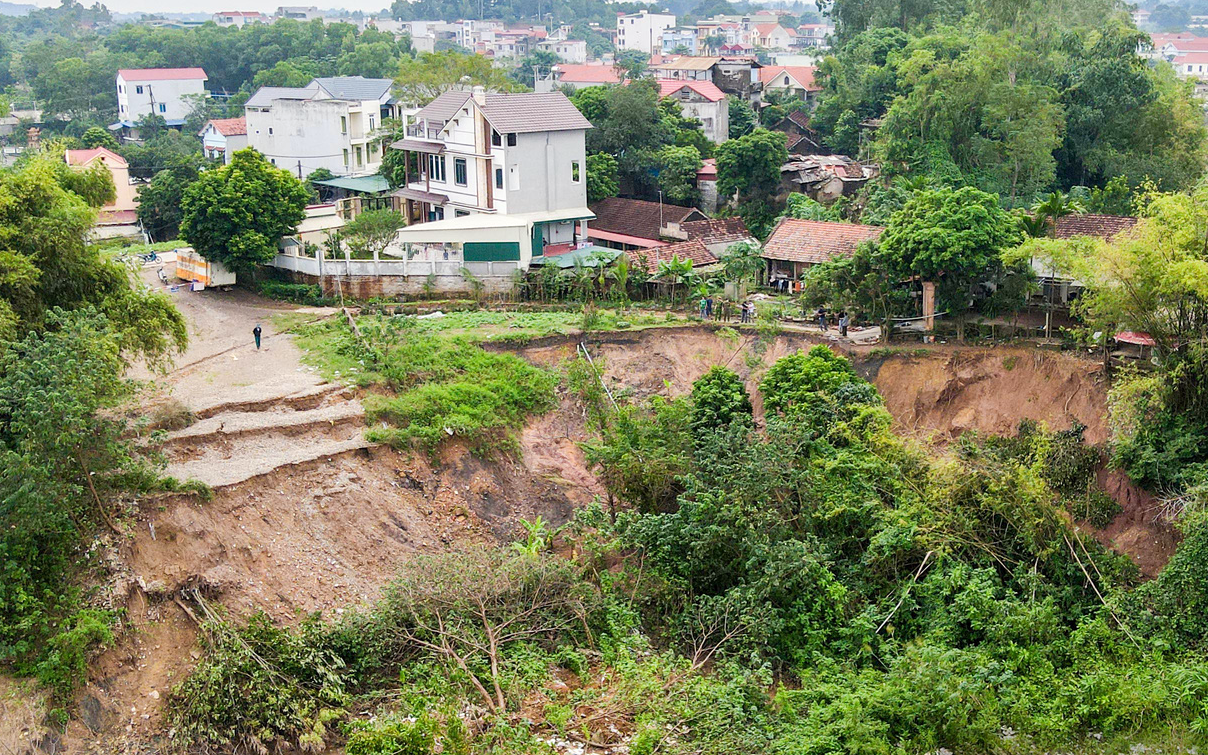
[(716, 230), (800, 117), (636, 217), (695, 250), (520, 113), (803, 75), (815, 241), (1103, 227)]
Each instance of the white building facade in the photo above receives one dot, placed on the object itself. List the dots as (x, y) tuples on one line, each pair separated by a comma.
[(643, 31), (159, 91), (490, 155), (331, 123), (222, 137)]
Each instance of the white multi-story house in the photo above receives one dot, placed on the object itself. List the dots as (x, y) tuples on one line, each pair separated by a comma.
[(299, 12), (159, 91), (643, 31), (239, 17), (329, 123), (223, 137), (573, 51), (482, 156), (701, 101)]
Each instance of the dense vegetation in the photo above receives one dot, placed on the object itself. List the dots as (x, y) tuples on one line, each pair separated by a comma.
[(70, 320), (821, 587), (1012, 98)]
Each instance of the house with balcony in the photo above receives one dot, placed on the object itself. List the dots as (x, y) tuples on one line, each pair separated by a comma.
[(332, 123), (499, 178)]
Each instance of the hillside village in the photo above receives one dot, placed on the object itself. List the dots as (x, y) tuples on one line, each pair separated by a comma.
[(604, 378)]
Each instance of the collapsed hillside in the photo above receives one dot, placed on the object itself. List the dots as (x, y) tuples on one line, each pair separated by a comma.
[(308, 516)]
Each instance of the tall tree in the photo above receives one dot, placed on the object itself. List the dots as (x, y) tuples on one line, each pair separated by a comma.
[(238, 213)]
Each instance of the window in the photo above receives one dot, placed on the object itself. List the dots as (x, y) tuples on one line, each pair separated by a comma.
[(270, 130), (511, 140), (496, 139), (459, 171), (460, 213), (121, 89), (436, 167), (343, 124), (499, 178), (786, 80), (574, 171), (371, 123), (138, 90), (163, 107), (345, 158), (360, 156)]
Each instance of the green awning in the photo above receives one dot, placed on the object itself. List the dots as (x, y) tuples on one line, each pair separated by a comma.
[(588, 256), (374, 184)]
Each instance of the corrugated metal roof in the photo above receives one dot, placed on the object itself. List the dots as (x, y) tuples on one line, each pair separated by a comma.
[(264, 96), (354, 87), (374, 184)]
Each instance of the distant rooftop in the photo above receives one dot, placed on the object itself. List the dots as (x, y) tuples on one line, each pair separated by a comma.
[(162, 74), (353, 87), (521, 113)]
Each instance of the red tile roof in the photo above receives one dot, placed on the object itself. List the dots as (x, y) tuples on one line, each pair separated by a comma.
[(803, 75), (1184, 58), (638, 218), (815, 241), (1198, 44), (594, 74), (1104, 227), (696, 251), (161, 74), (706, 89), (229, 126), (85, 156), (716, 230)]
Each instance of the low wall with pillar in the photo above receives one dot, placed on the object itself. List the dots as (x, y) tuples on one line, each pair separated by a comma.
[(366, 279)]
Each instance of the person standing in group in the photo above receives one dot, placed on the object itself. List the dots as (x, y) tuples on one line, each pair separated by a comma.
[(843, 323), (709, 307), (256, 334), (703, 306)]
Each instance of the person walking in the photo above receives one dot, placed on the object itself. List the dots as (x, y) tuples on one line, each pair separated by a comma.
[(256, 333), (821, 315), (843, 323)]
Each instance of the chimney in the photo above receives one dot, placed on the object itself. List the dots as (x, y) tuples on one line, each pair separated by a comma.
[(480, 95)]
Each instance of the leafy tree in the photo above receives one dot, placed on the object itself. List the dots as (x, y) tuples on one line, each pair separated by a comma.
[(96, 136), (801, 207), (950, 237), (539, 61), (238, 213), (631, 64), (170, 149), (677, 168), (424, 78), (796, 381), (748, 171), (742, 118), (370, 233), (601, 176), (742, 262), (718, 398), (159, 202)]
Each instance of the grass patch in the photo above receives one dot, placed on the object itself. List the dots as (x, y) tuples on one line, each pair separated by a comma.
[(429, 387)]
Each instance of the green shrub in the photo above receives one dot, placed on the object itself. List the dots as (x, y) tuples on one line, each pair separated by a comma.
[(391, 735), (718, 398), (298, 293)]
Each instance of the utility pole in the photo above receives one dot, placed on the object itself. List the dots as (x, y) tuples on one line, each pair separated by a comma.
[(299, 170)]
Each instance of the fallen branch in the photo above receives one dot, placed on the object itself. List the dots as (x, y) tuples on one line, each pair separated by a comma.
[(909, 587)]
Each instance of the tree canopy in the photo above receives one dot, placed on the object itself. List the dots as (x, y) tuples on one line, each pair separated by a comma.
[(238, 213)]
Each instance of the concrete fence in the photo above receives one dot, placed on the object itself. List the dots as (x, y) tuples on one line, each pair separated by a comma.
[(386, 277)]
